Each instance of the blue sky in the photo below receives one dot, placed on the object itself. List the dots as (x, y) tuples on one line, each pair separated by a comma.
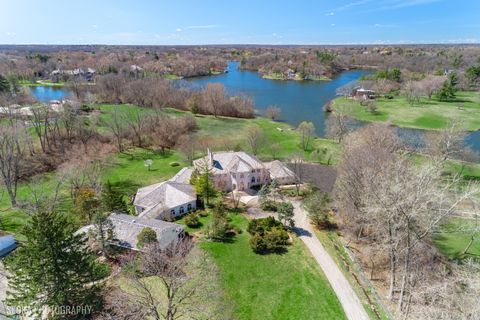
[(235, 22)]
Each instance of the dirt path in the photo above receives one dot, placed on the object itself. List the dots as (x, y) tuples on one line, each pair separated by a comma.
[(348, 298)]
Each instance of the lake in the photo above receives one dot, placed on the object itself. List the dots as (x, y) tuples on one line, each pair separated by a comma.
[(46, 93), (298, 100)]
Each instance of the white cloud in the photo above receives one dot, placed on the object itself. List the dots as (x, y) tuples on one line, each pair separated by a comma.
[(10, 33), (94, 26), (178, 29)]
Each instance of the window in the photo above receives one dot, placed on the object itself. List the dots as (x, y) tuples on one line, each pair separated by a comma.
[(189, 207), (181, 210), (253, 179), (172, 212), (241, 175)]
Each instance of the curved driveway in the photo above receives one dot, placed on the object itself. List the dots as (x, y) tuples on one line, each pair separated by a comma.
[(351, 304)]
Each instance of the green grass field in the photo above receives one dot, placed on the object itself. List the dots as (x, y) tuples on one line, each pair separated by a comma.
[(429, 114), (124, 169), (274, 286), (454, 236)]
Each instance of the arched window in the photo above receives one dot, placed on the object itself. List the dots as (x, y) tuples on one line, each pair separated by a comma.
[(253, 179), (189, 207), (172, 212), (181, 210)]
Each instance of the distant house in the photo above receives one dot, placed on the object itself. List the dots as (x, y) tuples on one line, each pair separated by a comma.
[(231, 170), (163, 200), (360, 93), (127, 227), (7, 245)]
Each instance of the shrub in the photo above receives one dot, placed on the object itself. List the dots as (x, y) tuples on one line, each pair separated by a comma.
[(203, 213), (174, 164), (219, 228), (257, 243), (192, 220), (100, 270), (146, 236), (269, 205), (268, 235)]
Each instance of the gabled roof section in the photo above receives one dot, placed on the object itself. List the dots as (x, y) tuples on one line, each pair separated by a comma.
[(231, 161), (279, 170), (166, 194)]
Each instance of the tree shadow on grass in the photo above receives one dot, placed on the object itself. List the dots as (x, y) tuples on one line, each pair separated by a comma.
[(127, 186)]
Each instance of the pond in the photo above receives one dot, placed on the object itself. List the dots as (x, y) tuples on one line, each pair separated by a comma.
[(46, 93), (298, 100)]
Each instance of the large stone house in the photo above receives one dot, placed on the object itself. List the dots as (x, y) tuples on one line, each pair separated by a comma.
[(233, 170)]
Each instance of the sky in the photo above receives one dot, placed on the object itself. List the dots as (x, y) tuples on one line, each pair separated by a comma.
[(189, 22)]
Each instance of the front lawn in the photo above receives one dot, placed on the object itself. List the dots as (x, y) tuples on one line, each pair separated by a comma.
[(429, 114), (273, 286)]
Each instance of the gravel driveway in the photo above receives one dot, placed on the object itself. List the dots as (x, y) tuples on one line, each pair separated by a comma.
[(348, 298)]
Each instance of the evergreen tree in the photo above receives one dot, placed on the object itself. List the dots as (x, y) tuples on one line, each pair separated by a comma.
[(53, 268), (4, 85), (112, 198), (146, 236), (203, 183)]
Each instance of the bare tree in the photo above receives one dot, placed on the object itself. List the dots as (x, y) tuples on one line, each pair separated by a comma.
[(12, 156), (307, 129), (273, 113), (431, 84), (117, 127), (214, 97), (274, 149), (187, 145), (188, 279), (255, 138), (412, 92), (401, 203), (338, 125)]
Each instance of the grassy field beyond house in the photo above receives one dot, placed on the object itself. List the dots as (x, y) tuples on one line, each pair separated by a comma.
[(428, 114)]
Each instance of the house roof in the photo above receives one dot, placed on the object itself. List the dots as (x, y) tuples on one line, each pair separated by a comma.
[(168, 193), (183, 176), (279, 170), (231, 161), (127, 228)]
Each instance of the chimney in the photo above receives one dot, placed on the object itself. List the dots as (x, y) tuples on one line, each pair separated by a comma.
[(210, 156)]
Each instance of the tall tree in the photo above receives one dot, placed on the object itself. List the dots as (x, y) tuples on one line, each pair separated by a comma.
[(307, 129), (12, 157), (203, 183), (53, 268)]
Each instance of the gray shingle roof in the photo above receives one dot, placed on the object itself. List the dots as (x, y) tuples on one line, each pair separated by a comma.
[(166, 194), (232, 161), (279, 170), (127, 228)]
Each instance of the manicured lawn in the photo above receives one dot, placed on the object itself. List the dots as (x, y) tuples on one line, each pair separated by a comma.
[(429, 114), (124, 169), (273, 286), (230, 133), (454, 237)]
